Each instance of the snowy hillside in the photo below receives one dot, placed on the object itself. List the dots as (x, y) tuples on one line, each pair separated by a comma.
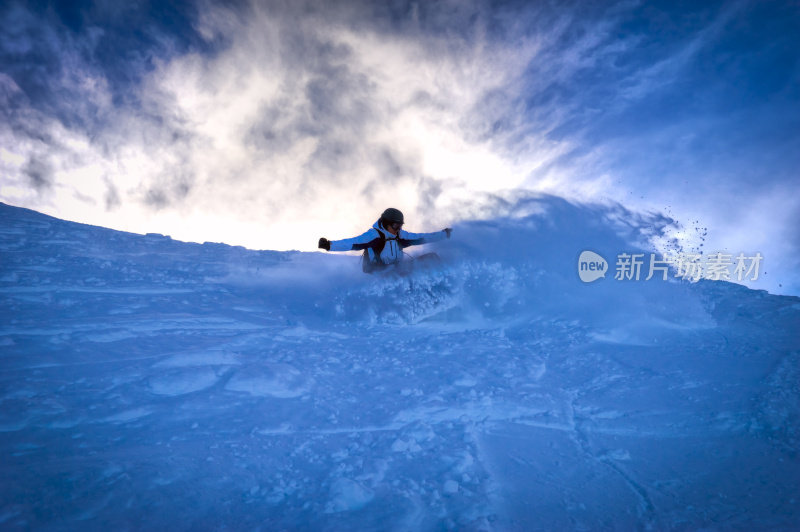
[(157, 385)]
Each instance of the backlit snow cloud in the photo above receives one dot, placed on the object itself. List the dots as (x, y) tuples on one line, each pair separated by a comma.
[(270, 124)]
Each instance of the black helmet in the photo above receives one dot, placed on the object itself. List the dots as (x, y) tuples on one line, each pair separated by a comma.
[(392, 215)]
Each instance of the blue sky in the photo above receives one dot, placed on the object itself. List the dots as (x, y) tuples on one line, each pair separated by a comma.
[(269, 124)]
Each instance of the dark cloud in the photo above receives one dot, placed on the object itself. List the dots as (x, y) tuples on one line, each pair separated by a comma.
[(112, 199), (391, 166), (174, 186), (39, 173), (156, 198), (276, 129), (324, 97), (428, 192), (339, 97)]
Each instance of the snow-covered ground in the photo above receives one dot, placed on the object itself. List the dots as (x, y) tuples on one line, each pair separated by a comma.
[(157, 385)]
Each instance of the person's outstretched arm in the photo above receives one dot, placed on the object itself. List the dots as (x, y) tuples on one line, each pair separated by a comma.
[(362, 241), (414, 239)]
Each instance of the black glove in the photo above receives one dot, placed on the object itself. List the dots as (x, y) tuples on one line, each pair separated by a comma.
[(448, 231), (325, 244)]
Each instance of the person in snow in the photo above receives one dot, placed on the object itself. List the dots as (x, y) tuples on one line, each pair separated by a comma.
[(384, 242)]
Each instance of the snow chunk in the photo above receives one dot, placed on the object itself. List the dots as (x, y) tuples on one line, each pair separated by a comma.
[(399, 446), (270, 380), (183, 381), (348, 495), (451, 487)]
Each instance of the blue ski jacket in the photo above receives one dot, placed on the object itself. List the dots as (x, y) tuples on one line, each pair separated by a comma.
[(392, 251)]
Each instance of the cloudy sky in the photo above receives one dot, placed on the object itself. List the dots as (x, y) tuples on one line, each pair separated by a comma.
[(270, 124)]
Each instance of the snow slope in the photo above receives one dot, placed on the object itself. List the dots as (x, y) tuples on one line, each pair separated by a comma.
[(151, 384)]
